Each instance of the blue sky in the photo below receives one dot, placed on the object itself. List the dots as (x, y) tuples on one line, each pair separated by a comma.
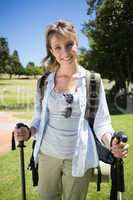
[(23, 23)]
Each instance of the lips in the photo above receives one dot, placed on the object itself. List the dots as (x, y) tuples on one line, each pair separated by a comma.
[(68, 59)]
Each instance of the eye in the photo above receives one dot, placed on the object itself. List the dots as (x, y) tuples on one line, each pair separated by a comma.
[(57, 48), (69, 44)]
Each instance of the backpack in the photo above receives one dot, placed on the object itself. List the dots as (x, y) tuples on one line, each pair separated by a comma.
[(92, 92)]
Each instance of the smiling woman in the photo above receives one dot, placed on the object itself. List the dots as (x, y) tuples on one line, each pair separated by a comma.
[(65, 147), (61, 43)]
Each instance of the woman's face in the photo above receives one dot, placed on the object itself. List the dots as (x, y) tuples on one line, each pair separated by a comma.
[(64, 49)]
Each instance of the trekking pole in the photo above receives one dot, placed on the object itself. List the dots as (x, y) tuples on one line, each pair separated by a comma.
[(117, 171), (22, 166), (22, 169)]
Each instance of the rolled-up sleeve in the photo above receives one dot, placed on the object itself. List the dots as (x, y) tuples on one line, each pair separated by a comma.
[(102, 122), (37, 108)]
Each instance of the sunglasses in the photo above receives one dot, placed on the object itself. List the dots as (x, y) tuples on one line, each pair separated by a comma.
[(69, 101)]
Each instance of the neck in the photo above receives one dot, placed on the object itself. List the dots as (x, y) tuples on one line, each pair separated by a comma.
[(68, 71)]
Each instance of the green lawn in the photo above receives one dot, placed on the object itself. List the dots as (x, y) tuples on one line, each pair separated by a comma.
[(17, 94), (123, 123), (10, 188)]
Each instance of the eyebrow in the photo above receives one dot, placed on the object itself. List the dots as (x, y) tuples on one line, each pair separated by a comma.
[(67, 42), (57, 44)]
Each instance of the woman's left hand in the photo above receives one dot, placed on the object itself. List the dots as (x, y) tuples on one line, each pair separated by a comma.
[(119, 150)]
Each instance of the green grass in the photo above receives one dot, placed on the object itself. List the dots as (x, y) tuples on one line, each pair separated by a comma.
[(17, 94), (10, 187), (23, 115), (124, 123), (10, 176)]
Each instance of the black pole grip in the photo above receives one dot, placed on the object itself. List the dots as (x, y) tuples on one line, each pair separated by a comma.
[(120, 136)]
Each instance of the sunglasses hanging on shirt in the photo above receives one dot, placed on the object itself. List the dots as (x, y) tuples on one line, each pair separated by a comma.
[(69, 101)]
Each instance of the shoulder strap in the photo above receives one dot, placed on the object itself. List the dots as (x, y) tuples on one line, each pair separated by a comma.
[(92, 93), (41, 84)]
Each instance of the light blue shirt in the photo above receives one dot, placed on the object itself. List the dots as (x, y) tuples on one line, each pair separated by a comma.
[(85, 155)]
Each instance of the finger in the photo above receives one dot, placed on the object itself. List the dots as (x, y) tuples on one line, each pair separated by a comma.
[(120, 145), (20, 136), (16, 130), (126, 147), (114, 141), (120, 153), (120, 149), (18, 133), (21, 131), (125, 155), (116, 148)]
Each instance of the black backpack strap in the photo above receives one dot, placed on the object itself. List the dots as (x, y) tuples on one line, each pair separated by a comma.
[(92, 93), (41, 83)]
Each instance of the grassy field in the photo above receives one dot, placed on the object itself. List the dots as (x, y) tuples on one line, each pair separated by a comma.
[(124, 123), (18, 95), (10, 188)]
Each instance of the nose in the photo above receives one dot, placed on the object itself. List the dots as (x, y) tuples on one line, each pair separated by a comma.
[(65, 52)]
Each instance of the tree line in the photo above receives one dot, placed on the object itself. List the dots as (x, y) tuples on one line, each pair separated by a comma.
[(10, 63)]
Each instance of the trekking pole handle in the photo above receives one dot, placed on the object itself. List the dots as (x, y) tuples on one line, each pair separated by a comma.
[(120, 136), (19, 125), (22, 166)]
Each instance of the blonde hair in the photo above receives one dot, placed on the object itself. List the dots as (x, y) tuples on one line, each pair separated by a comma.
[(63, 28)]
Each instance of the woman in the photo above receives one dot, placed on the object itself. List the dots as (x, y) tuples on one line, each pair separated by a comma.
[(65, 147)]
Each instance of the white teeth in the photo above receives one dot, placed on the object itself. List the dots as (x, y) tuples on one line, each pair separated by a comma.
[(68, 59)]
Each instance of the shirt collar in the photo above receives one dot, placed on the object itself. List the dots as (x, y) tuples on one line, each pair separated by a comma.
[(81, 74)]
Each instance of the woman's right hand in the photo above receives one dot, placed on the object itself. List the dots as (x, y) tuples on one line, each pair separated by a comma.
[(21, 133)]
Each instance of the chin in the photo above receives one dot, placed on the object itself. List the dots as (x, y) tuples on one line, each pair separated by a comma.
[(70, 62)]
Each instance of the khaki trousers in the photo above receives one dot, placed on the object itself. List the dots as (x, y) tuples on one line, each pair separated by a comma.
[(56, 181)]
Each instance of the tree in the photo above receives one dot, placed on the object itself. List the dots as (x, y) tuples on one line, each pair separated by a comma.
[(16, 61), (93, 5), (110, 31), (9, 63), (84, 58), (4, 54), (30, 64), (14, 66), (31, 69)]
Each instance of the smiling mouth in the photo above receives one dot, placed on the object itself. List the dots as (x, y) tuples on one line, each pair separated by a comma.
[(68, 59)]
